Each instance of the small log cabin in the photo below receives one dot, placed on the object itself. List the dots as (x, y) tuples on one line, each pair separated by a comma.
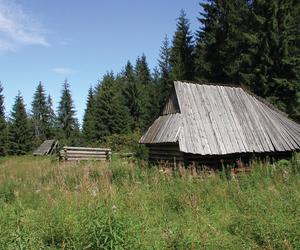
[(211, 124)]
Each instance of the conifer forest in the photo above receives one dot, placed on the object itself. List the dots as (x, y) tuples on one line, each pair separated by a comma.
[(255, 44)]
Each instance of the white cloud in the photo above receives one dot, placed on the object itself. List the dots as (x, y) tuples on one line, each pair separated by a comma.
[(63, 71), (18, 28)]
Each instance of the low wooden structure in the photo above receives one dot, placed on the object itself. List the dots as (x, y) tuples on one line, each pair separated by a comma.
[(82, 153), (46, 148), (209, 124)]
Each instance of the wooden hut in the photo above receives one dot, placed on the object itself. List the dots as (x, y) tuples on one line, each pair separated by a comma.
[(208, 124)]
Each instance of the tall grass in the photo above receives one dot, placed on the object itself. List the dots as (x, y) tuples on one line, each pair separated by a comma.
[(45, 204)]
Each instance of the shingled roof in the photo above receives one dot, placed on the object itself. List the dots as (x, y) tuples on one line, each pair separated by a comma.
[(218, 120)]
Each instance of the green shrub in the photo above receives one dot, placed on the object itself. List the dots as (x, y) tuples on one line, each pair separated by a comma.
[(122, 143)]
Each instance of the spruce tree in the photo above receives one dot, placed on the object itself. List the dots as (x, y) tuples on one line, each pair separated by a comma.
[(182, 58), (20, 137), (40, 115), (67, 123), (3, 125), (52, 120), (205, 51), (220, 41), (88, 126), (145, 90), (129, 74), (111, 115), (142, 70), (135, 104), (133, 96), (165, 82), (271, 62)]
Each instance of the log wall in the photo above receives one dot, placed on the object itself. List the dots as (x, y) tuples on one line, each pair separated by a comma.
[(81, 153), (167, 153), (170, 154)]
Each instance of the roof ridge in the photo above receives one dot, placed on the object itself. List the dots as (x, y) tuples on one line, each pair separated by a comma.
[(244, 88), (203, 82)]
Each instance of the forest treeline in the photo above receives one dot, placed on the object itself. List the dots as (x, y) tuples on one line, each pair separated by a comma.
[(255, 44)]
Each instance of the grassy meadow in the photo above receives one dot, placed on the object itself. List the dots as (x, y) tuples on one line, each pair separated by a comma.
[(45, 204)]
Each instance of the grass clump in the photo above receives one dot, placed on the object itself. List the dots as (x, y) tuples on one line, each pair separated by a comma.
[(45, 204)]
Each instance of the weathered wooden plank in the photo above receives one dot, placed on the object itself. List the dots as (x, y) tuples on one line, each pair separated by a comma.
[(273, 130), (213, 118), (200, 121), (244, 115), (206, 121), (284, 134), (228, 123), (224, 125), (86, 159), (256, 117), (87, 156), (294, 135), (87, 152), (87, 149), (238, 132), (82, 153), (171, 106), (45, 148), (198, 142), (262, 124), (248, 142)]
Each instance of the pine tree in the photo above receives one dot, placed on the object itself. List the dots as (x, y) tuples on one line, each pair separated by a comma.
[(3, 125), (111, 115), (67, 123), (165, 81), (182, 58), (20, 137), (40, 115), (88, 126)]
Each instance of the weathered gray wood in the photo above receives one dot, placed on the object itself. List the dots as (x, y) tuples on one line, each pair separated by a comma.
[(207, 127), (260, 134), (213, 119), (246, 120), (87, 149), (237, 129), (87, 152), (171, 106), (222, 120), (82, 153), (86, 156), (46, 147), (86, 159), (223, 125)]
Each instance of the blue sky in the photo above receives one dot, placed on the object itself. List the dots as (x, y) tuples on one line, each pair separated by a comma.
[(80, 40)]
